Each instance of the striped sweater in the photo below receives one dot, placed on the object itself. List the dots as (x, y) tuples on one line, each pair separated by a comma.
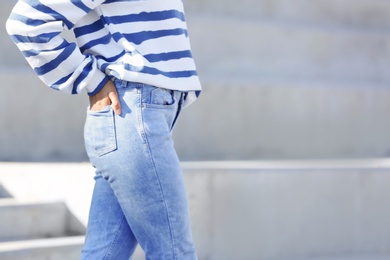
[(143, 41)]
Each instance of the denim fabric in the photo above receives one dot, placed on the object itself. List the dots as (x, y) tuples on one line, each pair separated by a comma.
[(139, 194)]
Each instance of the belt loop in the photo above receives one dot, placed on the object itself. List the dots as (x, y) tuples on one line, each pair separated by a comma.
[(183, 97), (124, 84)]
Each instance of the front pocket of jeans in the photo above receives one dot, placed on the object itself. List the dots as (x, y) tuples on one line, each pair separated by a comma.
[(100, 135), (160, 98)]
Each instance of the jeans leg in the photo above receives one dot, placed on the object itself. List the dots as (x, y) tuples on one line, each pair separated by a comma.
[(108, 234), (143, 170), (166, 171)]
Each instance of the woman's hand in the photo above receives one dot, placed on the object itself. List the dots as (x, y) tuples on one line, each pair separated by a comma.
[(106, 96)]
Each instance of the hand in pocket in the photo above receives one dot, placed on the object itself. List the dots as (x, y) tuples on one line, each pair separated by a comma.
[(105, 97)]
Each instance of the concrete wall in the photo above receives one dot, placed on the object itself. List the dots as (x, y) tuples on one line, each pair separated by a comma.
[(281, 80), (278, 210)]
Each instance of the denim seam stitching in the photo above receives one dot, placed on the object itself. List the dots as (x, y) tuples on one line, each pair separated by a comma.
[(142, 126), (109, 250), (164, 202)]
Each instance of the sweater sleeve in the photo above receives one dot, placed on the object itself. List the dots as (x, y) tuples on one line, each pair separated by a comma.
[(36, 25)]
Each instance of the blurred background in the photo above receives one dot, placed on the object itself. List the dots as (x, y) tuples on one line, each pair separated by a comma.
[(285, 153)]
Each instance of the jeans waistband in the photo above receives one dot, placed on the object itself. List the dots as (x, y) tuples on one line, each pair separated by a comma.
[(119, 83)]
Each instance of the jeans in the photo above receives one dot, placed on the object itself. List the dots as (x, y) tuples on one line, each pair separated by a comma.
[(139, 194)]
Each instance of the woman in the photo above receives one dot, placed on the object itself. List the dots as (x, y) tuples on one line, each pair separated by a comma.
[(133, 58)]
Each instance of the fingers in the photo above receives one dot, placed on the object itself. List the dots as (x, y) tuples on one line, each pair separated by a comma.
[(97, 104), (113, 96), (115, 104), (106, 96)]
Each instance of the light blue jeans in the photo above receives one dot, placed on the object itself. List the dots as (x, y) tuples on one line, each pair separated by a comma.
[(139, 194)]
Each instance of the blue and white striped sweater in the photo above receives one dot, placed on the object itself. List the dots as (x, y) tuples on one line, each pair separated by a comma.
[(142, 41)]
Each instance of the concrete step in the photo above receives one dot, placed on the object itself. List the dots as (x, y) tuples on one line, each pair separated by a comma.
[(238, 48), (4, 192), (33, 220), (62, 248), (347, 257), (355, 13)]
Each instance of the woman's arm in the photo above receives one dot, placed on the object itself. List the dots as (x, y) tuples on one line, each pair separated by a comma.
[(35, 27)]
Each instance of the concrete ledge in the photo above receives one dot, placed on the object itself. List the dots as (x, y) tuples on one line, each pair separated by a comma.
[(239, 166), (67, 248), (28, 220), (290, 209), (62, 248), (40, 243), (4, 193), (345, 257)]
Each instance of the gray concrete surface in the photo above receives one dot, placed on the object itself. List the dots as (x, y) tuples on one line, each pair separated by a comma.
[(280, 121), (354, 13), (267, 210), (39, 123), (36, 220), (4, 193), (268, 50), (49, 249)]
